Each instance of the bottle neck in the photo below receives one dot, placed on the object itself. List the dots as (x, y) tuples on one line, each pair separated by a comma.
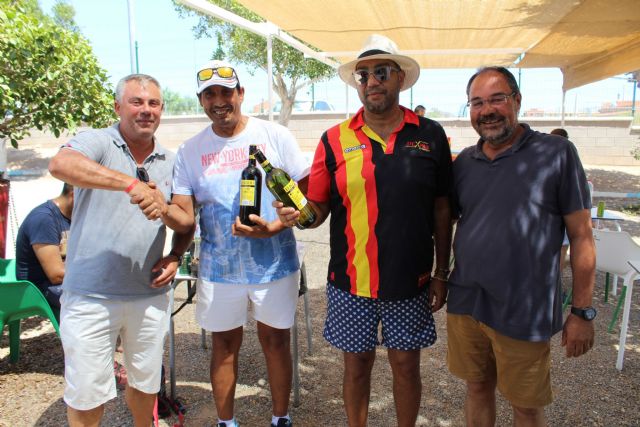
[(252, 155), (263, 161), (266, 166)]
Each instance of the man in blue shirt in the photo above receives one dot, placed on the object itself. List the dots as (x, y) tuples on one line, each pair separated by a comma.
[(515, 193), (41, 246)]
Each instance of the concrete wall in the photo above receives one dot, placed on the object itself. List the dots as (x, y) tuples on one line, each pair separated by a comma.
[(599, 141)]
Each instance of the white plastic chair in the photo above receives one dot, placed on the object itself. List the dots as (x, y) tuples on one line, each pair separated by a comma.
[(613, 251)]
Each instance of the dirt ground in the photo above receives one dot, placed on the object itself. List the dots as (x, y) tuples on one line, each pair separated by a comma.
[(588, 391)]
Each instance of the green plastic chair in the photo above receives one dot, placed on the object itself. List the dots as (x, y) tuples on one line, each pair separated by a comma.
[(7, 270), (18, 300)]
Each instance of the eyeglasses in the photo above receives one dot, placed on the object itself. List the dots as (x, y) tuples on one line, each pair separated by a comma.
[(380, 73), (142, 174), (222, 72), (493, 100)]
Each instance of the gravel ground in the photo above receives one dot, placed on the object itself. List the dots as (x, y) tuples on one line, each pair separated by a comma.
[(588, 391)]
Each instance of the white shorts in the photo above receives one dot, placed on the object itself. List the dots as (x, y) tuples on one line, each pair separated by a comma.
[(89, 328), (223, 306)]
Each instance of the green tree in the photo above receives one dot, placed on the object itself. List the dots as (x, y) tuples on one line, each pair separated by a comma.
[(177, 104), (49, 77), (63, 15), (291, 70)]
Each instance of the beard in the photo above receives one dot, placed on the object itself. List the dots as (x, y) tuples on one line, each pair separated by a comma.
[(387, 103), (498, 135)]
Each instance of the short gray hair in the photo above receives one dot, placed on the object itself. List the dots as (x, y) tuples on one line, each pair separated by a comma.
[(143, 79)]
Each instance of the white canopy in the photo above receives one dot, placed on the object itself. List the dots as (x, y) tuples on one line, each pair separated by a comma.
[(588, 40)]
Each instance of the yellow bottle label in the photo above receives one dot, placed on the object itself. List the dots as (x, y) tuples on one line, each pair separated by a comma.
[(247, 192), (296, 195)]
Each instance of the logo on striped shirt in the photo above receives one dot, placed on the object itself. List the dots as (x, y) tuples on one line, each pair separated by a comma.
[(354, 148), (420, 145)]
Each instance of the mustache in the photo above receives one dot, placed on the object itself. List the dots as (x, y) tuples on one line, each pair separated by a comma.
[(221, 107), (375, 91), (490, 117)]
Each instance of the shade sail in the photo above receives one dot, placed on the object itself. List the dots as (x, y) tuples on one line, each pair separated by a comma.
[(588, 40)]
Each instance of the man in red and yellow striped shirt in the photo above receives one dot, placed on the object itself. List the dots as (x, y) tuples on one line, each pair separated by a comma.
[(384, 175)]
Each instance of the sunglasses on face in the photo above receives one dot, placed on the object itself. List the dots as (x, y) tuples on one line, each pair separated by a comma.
[(222, 72), (380, 73), (142, 174)]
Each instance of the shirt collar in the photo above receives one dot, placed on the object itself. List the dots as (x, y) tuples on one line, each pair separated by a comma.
[(114, 132), (524, 138), (357, 122)]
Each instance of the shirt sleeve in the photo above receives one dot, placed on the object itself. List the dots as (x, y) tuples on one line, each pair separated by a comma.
[(444, 174), (181, 183), (573, 189), (93, 144), (43, 229), (320, 178)]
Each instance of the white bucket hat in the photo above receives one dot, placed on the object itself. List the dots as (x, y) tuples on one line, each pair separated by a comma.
[(381, 47)]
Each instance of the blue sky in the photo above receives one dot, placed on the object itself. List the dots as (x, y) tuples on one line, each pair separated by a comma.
[(168, 50)]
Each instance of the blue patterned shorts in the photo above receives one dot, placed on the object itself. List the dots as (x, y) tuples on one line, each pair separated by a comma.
[(352, 322)]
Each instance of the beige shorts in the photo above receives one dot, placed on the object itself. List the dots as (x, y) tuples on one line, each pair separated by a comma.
[(222, 306), (89, 328), (521, 369)]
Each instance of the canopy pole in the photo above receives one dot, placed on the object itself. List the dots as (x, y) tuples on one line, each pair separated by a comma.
[(270, 75), (346, 98), (564, 94)]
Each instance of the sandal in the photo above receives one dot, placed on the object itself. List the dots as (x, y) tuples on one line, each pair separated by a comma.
[(121, 375)]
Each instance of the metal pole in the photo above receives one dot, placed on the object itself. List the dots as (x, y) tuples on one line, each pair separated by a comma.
[(132, 37), (564, 93), (137, 64), (313, 97), (411, 98), (270, 75), (346, 97), (633, 101)]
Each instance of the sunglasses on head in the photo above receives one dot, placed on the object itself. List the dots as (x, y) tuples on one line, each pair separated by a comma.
[(380, 73), (222, 72), (142, 174)]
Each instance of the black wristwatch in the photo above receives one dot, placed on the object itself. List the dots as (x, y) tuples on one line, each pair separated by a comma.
[(587, 313), (173, 253)]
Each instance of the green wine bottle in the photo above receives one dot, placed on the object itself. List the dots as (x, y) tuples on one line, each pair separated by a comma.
[(250, 189), (286, 190)]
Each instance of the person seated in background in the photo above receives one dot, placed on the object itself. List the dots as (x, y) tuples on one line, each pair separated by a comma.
[(41, 246), (565, 242), (420, 110), (559, 131)]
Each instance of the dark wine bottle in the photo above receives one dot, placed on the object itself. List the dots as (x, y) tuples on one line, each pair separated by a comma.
[(286, 190), (250, 189)]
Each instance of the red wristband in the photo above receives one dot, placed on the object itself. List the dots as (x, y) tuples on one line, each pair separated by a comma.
[(130, 187)]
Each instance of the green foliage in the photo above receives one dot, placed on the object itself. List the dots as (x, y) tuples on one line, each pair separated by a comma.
[(49, 77), (177, 104), (291, 70), (63, 14)]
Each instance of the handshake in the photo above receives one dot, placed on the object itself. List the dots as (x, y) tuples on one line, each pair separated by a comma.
[(149, 199)]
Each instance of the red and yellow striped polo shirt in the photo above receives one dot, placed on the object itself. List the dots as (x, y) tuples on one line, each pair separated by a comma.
[(381, 198)]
